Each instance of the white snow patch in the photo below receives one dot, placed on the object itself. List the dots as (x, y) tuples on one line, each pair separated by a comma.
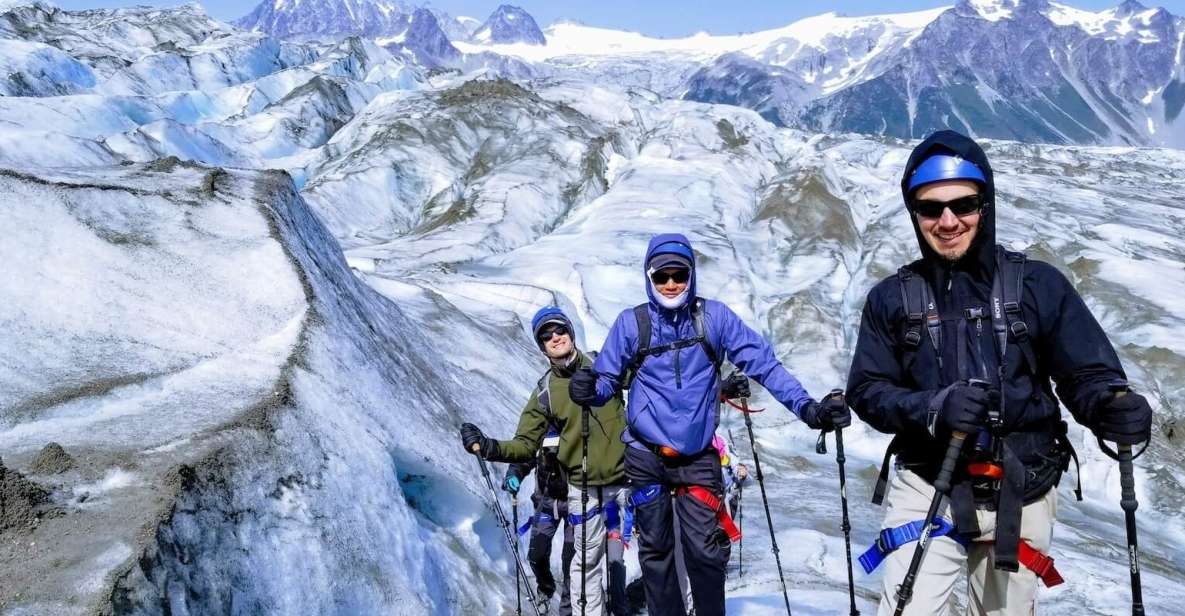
[(102, 564), (568, 38), (115, 479), (1107, 24), (994, 10)]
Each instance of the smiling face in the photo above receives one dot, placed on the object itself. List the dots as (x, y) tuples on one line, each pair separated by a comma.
[(948, 235), (558, 346)]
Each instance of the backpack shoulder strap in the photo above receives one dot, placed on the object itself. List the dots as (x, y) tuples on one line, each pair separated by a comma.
[(1008, 319), (918, 303), (698, 309), (543, 394), (642, 316)]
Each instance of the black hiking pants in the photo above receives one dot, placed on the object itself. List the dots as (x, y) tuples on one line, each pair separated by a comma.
[(539, 550), (705, 553)]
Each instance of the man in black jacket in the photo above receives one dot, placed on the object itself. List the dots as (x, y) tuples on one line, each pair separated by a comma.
[(968, 339)]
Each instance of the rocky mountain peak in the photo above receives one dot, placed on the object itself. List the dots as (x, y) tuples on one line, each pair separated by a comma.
[(510, 24), (1129, 7), (310, 18)]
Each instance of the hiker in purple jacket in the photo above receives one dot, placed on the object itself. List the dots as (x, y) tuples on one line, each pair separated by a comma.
[(667, 352)]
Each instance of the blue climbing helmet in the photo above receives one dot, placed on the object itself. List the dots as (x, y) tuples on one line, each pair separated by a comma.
[(942, 167)]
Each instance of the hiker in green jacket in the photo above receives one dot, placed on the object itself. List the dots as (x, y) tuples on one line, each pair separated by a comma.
[(550, 406)]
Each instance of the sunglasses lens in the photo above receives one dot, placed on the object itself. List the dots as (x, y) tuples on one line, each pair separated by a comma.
[(966, 205), (679, 276), (959, 207), (548, 335)]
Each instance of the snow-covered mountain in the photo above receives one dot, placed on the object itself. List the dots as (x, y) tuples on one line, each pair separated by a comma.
[(507, 25), (1026, 70), (252, 287), (403, 27), (325, 18), (423, 39), (1031, 70)]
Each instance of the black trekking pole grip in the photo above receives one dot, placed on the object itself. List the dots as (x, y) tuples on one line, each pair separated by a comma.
[(942, 482), (1127, 479), (485, 470)]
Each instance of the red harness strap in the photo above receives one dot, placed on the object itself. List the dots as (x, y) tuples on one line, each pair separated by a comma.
[(706, 497), (1038, 563)]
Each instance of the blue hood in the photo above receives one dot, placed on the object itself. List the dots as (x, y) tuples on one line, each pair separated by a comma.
[(674, 243)]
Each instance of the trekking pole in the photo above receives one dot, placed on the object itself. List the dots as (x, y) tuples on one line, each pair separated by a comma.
[(518, 592), (741, 528), (584, 413), (769, 520), (846, 525), (1127, 486), (941, 488), (740, 520), (518, 563)]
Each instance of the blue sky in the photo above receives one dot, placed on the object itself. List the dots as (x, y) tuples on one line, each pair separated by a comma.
[(653, 17)]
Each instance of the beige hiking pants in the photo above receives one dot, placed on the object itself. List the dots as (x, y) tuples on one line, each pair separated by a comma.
[(991, 592), (597, 550)]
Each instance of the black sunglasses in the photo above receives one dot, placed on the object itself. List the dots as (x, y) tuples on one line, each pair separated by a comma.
[(553, 332), (680, 276), (959, 207)]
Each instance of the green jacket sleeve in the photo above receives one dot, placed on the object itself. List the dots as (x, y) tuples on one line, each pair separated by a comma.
[(532, 427)]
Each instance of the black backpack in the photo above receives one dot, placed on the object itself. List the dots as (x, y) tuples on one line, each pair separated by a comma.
[(1008, 323), (1008, 320)]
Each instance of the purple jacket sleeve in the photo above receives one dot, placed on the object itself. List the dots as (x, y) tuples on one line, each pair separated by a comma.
[(750, 352), (615, 356)]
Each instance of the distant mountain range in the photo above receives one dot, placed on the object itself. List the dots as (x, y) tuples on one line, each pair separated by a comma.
[(1027, 70)]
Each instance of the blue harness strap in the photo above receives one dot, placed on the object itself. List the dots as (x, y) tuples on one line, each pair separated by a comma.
[(646, 494), (575, 518), (892, 538), (538, 518), (612, 513), (612, 516), (627, 530)]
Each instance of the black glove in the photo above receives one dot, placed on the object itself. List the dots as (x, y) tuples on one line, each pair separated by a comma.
[(735, 386), (965, 409), (1123, 418), (582, 388), (827, 415), (471, 435)]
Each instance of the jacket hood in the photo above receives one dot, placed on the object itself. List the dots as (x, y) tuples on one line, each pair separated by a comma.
[(981, 255), (675, 243)]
